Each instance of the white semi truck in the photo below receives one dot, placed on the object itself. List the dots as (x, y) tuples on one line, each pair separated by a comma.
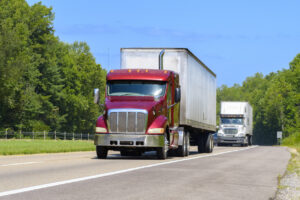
[(235, 125)]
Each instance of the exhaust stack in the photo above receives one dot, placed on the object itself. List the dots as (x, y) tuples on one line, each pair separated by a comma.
[(161, 60)]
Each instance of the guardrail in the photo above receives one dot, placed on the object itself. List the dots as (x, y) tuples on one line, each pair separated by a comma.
[(44, 135)]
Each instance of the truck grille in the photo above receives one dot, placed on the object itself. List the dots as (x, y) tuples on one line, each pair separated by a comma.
[(231, 131), (132, 121)]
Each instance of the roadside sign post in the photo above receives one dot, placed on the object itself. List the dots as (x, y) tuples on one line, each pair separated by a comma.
[(279, 137)]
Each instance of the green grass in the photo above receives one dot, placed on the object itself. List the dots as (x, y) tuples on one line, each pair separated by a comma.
[(293, 142), (16, 147)]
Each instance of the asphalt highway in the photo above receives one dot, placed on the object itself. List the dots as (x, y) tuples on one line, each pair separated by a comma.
[(227, 173)]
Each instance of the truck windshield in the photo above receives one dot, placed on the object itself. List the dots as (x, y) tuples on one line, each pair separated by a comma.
[(136, 88), (232, 121)]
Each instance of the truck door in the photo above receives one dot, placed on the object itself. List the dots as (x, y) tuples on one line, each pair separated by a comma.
[(169, 103)]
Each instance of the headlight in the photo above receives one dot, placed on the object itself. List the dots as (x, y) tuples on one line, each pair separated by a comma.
[(242, 134), (156, 130), (101, 130), (242, 129), (220, 133)]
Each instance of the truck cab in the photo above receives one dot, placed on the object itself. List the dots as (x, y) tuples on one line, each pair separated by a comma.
[(141, 113), (232, 130), (235, 124)]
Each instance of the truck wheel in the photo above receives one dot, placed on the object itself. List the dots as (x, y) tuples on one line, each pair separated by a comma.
[(187, 142), (172, 152), (101, 152), (250, 140), (209, 145), (246, 141), (200, 143), (181, 151), (162, 152)]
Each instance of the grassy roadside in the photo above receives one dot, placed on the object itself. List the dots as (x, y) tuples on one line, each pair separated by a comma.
[(293, 142), (16, 147), (289, 183)]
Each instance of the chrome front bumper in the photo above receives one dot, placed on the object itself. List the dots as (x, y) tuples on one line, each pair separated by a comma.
[(125, 140), (231, 140)]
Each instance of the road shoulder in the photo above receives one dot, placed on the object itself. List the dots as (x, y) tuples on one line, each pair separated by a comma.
[(289, 183)]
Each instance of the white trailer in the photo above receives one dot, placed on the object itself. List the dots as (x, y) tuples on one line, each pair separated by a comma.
[(197, 82), (235, 123)]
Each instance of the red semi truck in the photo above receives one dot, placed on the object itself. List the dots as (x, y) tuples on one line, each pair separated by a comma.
[(158, 105)]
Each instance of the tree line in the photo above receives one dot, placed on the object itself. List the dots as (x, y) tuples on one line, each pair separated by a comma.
[(45, 84), (275, 99)]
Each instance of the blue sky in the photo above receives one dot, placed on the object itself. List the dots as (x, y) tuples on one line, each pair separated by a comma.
[(234, 38)]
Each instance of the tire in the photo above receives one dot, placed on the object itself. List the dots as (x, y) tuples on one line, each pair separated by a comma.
[(172, 152), (162, 152), (209, 144), (200, 143), (181, 151), (101, 152), (205, 143), (187, 142), (247, 141), (250, 140)]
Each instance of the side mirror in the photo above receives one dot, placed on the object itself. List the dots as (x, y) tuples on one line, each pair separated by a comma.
[(96, 95), (177, 95)]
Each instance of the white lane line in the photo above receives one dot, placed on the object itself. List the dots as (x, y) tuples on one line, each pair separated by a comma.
[(24, 163), (112, 173)]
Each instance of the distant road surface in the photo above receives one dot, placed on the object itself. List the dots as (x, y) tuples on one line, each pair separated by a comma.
[(227, 173)]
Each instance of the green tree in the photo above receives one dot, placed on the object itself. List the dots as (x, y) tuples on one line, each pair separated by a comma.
[(81, 74), (45, 84)]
